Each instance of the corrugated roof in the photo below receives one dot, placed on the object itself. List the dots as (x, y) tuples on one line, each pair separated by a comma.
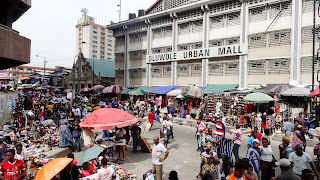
[(103, 68)]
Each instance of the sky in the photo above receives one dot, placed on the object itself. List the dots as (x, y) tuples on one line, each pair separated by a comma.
[(51, 25)]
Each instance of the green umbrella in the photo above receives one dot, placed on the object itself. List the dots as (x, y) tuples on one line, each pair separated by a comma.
[(89, 108), (136, 92), (89, 154), (258, 98)]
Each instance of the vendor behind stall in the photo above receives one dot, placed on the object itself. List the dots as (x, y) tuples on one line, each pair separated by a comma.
[(120, 137)]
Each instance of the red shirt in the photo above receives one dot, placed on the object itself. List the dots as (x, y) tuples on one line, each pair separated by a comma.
[(150, 116), (85, 173), (13, 170)]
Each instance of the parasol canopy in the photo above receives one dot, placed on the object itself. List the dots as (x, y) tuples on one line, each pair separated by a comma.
[(298, 91), (89, 154), (108, 118), (281, 88), (51, 169), (98, 88), (85, 90), (115, 89), (175, 92), (56, 90), (192, 91), (136, 92), (258, 98), (316, 92)]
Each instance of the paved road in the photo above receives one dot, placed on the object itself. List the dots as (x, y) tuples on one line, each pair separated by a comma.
[(183, 156)]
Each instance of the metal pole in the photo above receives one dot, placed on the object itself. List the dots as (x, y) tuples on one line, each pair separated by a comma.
[(44, 68), (313, 47), (120, 11), (93, 73)]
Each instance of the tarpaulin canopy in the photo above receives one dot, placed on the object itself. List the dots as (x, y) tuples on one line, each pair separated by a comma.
[(161, 90), (218, 88), (298, 91), (126, 91), (316, 92)]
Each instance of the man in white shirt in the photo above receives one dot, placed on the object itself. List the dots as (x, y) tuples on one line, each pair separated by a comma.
[(166, 127), (159, 154), (299, 159), (287, 127), (76, 112), (105, 173)]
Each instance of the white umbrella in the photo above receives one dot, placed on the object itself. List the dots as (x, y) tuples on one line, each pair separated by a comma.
[(192, 91)]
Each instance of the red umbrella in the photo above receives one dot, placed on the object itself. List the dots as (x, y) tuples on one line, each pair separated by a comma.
[(316, 92), (85, 89), (108, 118)]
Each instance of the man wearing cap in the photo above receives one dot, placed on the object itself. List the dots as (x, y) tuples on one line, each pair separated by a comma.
[(286, 173)]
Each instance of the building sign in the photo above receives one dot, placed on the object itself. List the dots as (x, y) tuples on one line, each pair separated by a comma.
[(220, 51)]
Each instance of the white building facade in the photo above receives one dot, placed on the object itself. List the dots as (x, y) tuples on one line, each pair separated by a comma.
[(94, 40), (182, 42)]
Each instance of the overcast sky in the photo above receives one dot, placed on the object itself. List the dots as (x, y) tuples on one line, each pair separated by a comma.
[(51, 25)]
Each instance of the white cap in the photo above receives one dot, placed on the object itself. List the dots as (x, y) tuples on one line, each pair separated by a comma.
[(256, 140), (283, 162)]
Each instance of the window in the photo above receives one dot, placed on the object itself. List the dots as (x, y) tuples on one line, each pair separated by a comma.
[(233, 19), (109, 36), (258, 14), (283, 9), (94, 46), (184, 28), (94, 51), (184, 47), (232, 68), (307, 33), (217, 22), (109, 54), (109, 40), (234, 40), (279, 66), (95, 27), (20, 69), (29, 69), (109, 49), (215, 43), (110, 45), (110, 31), (156, 50), (256, 67), (197, 26), (95, 37), (95, 42), (156, 72), (278, 38), (95, 32), (197, 45), (257, 40), (167, 71), (183, 70), (95, 56), (216, 69)]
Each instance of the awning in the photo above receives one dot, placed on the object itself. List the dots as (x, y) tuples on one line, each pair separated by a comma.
[(161, 90), (126, 91), (219, 88), (24, 78)]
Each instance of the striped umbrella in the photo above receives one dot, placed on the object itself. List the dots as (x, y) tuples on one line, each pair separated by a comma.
[(114, 89), (85, 89), (98, 87), (175, 92), (105, 90)]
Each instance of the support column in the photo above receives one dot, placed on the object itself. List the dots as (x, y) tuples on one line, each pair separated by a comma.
[(174, 64), (126, 57), (205, 44), (149, 44), (295, 42), (243, 60)]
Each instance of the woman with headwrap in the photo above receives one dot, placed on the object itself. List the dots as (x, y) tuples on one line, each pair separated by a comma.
[(253, 155), (65, 134)]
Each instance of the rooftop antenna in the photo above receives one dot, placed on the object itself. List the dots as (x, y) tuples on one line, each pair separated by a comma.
[(119, 5)]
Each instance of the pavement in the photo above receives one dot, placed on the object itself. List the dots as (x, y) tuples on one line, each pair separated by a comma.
[(183, 156)]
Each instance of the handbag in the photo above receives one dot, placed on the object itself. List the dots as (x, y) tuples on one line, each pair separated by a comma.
[(273, 162), (161, 134)]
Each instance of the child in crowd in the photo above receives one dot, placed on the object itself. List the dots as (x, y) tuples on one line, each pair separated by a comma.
[(86, 170), (76, 133), (253, 175)]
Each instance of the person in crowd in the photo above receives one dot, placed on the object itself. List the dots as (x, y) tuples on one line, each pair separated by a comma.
[(287, 127), (150, 117), (76, 112), (32, 170), (241, 120), (85, 172), (159, 154), (311, 119), (3, 149), (209, 139), (166, 129), (75, 174), (84, 111), (250, 141), (65, 134), (76, 133), (285, 147), (12, 168), (253, 155), (173, 175), (250, 172), (286, 174), (135, 133), (316, 152), (20, 154), (171, 119), (296, 139), (303, 136), (239, 169), (299, 120), (120, 137), (209, 163), (307, 174), (220, 127), (300, 159), (236, 141), (254, 119), (201, 128), (266, 159)]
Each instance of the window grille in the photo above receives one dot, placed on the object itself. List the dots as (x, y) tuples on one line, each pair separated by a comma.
[(285, 7), (135, 55), (307, 5), (255, 1), (167, 71), (196, 70), (232, 68), (217, 42), (157, 33), (258, 14), (197, 26), (156, 51), (183, 70), (156, 72), (197, 45), (168, 4), (190, 14), (167, 31), (217, 22), (278, 38), (118, 31), (279, 66), (225, 6), (257, 40), (234, 40), (134, 73), (156, 8), (216, 69), (233, 19), (137, 26), (306, 64), (167, 49), (161, 21), (120, 41), (143, 54), (184, 47), (142, 73), (119, 73), (119, 57), (307, 34), (184, 28), (256, 67)]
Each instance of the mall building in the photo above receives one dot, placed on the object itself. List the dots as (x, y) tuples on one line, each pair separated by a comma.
[(182, 42)]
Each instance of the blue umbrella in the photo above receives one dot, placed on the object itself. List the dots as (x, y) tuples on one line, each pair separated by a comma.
[(56, 90), (89, 154)]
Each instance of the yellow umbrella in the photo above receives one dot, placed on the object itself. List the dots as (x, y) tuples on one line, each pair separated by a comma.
[(51, 169)]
